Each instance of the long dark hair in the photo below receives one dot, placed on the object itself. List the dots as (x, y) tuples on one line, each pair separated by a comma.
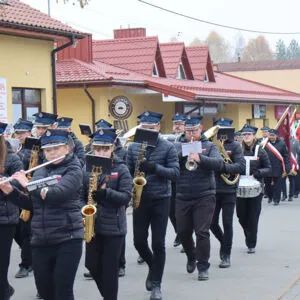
[(251, 146), (3, 151)]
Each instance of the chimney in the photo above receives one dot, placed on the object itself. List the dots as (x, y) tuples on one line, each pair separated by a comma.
[(129, 33)]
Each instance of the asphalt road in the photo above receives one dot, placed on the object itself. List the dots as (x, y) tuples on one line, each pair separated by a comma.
[(268, 274)]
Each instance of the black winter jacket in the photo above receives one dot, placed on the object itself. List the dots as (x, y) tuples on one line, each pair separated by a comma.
[(78, 149), (111, 217), (235, 152), (261, 165), (277, 169), (24, 155), (165, 157), (120, 151), (57, 218), (200, 183), (9, 213)]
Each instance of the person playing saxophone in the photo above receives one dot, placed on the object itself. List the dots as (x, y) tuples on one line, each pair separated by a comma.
[(111, 197), (160, 167), (226, 183)]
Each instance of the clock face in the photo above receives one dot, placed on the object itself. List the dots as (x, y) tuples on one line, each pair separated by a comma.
[(120, 107)]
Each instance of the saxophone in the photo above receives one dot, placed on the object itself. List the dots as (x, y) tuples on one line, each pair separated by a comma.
[(89, 210), (139, 179), (34, 161)]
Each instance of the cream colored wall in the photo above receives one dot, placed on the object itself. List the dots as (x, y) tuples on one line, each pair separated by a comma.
[(75, 103), (26, 63), (283, 79)]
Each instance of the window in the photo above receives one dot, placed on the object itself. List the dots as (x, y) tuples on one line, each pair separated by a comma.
[(26, 102), (180, 72), (259, 111), (206, 77), (155, 71)]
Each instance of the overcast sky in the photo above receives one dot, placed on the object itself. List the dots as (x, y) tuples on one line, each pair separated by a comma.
[(100, 17)]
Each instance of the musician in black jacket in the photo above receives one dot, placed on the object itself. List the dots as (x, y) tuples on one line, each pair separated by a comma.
[(248, 209), (57, 229), (196, 197), (9, 213), (112, 197), (226, 192), (23, 233), (278, 154), (160, 167), (65, 123)]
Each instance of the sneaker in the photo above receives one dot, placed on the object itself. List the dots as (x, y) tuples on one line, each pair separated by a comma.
[(251, 250), (156, 292), (176, 241), (191, 265), (203, 275), (87, 275), (121, 272), (23, 272), (225, 261), (140, 261)]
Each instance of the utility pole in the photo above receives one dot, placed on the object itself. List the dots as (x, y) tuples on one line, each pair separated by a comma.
[(49, 8)]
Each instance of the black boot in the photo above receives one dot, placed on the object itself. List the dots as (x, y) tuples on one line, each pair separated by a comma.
[(203, 275), (156, 292), (225, 261), (9, 292), (148, 282), (140, 261), (290, 198), (191, 265), (23, 272)]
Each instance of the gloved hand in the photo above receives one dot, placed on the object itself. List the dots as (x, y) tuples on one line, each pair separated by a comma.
[(99, 196), (256, 174), (148, 166)]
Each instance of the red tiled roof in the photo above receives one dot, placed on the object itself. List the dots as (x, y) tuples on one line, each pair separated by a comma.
[(259, 65), (171, 54), (227, 88), (18, 13), (135, 54), (198, 60)]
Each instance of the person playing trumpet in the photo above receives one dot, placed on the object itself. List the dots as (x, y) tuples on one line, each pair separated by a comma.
[(112, 197), (57, 229), (196, 196)]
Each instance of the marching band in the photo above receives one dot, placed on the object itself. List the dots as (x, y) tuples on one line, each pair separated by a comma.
[(82, 193)]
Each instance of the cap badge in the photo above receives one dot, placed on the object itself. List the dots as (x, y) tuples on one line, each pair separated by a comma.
[(101, 132), (48, 133), (40, 115), (147, 113), (62, 119), (189, 117)]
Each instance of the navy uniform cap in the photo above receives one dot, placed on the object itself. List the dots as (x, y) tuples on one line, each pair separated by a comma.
[(265, 128), (192, 121), (237, 133), (102, 124), (178, 118), (223, 122), (104, 137), (54, 137), (64, 122), (249, 128), (273, 131), (150, 117), (2, 127), (44, 119), (23, 125)]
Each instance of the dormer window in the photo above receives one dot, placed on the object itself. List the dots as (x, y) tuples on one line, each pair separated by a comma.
[(180, 72), (155, 70)]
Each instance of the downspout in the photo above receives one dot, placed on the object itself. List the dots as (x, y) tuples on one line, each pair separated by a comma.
[(53, 64), (93, 105)]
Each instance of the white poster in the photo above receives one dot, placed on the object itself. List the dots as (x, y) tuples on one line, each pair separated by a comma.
[(3, 101)]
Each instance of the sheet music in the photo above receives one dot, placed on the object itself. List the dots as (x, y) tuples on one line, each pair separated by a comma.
[(188, 148)]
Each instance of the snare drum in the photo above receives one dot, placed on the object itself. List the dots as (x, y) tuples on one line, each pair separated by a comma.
[(248, 187)]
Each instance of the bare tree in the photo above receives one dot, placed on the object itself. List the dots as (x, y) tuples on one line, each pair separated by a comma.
[(257, 49), (82, 3), (196, 42)]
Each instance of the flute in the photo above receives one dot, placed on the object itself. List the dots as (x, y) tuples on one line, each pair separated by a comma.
[(35, 168)]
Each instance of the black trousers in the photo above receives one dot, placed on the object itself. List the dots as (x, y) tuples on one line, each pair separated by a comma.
[(55, 269), (297, 183), (7, 233), (172, 207), (196, 215), (226, 203), (292, 180), (102, 260), (152, 213), (248, 212), (22, 238), (122, 263), (273, 188), (283, 188)]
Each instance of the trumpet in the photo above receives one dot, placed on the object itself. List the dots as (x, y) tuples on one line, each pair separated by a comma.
[(190, 164)]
